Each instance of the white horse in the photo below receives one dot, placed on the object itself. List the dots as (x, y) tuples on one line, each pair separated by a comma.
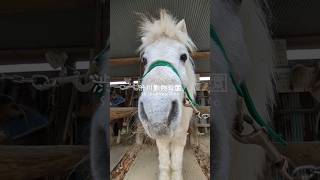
[(161, 108), (244, 34)]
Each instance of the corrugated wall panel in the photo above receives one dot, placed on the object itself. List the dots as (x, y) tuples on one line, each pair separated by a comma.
[(123, 22), (294, 120)]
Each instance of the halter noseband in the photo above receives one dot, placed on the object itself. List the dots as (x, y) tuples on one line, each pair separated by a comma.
[(162, 63)]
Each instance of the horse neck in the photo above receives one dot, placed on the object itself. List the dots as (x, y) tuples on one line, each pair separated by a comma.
[(261, 52)]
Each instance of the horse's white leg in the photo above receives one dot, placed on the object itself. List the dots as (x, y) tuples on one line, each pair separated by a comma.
[(176, 149), (164, 159)]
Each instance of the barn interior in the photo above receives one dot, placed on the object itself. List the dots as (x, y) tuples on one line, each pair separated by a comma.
[(297, 77), (45, 124), (45, 116), (296, 114)]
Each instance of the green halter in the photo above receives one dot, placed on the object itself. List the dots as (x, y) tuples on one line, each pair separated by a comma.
[(162, 63), (242, 91)]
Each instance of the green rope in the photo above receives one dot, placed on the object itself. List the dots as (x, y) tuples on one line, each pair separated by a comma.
[(167, 64), (243, 92)]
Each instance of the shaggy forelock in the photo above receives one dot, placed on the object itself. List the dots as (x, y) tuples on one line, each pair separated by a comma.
[(151, 30)]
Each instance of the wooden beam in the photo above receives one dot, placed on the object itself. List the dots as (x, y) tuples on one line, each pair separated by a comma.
[(204, 109), (303, 41), (31, 162), (121, 112), (115, 112), (136, 60), (201, 55), (124, 61)]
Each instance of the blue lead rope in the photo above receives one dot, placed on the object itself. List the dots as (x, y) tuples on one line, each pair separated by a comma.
[(242, 91)]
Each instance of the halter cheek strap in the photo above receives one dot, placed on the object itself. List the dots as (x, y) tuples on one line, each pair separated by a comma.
[(162, 63)]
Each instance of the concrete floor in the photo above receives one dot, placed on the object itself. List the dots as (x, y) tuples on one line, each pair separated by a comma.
[(145, 165), (116, 154), (204, 143)]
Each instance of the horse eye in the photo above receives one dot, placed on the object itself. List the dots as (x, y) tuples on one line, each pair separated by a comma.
[(144, 61), (183, 57)]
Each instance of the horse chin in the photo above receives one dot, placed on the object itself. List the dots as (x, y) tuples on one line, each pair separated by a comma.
[(159, 131)]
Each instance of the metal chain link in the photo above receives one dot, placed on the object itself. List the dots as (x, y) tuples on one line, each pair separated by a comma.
[(135, 86), (43, 82), (199, 114)]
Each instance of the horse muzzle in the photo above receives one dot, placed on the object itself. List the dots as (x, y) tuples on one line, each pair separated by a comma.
[(159, 121)]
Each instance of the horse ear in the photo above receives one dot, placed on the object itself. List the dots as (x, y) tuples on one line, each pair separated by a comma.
[(182, 26)]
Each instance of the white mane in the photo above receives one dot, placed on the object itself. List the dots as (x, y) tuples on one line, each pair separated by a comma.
[(166, 26)]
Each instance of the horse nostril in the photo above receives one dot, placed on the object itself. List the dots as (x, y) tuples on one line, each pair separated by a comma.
[(173, 112), (142, 113)]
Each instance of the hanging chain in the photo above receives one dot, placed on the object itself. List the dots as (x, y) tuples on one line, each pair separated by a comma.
[(43, 82), (198, 113), (82, 82), (134, 86)]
